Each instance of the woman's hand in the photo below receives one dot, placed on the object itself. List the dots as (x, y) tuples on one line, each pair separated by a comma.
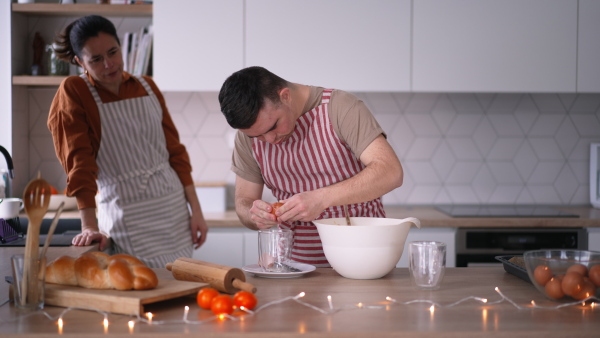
[(199, 229), (87, 237)]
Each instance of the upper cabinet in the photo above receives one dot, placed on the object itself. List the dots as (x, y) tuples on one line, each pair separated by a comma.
[(588, 56), (495, 46), (382, 45), (197, 43), (354, 45)]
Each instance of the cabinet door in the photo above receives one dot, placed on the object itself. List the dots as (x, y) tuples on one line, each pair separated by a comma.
[(446, 235), (588, 46), (353, 45), (197, 43), (495, 46), (223, 246)]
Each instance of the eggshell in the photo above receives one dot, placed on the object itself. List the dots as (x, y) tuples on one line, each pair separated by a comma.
[(595, 274), (542, 274), (578, 268), (554, 288), (571, 284)]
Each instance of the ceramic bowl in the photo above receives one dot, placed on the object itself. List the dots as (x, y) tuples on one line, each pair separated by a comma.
[(556, 265), (70, 202), (368, 249)]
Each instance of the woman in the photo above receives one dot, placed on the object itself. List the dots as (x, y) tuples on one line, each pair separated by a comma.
[(115, 138)]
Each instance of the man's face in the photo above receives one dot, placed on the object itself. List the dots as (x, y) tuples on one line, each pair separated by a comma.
[(275, 123)]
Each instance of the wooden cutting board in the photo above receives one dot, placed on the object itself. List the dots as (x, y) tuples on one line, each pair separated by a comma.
[(123, 302)]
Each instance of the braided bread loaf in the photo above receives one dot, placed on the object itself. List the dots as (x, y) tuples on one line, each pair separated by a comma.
[(97, 270)]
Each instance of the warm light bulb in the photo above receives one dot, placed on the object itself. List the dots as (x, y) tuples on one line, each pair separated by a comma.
[(60, 325), (302, 294), (131, 325), (360, 305), (484, 300), (105, 323), (431, 308)]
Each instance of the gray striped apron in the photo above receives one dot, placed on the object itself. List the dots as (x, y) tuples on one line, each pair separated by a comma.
[(141, 202), (313, 157)]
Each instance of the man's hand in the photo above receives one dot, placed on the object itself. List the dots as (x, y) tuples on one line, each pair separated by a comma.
[(261, 214)]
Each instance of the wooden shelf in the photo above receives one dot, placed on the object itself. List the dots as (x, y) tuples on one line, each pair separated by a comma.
[(82, 9), (43, 80)]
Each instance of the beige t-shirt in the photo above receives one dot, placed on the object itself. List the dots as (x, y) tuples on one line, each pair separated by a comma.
[(351, 119)]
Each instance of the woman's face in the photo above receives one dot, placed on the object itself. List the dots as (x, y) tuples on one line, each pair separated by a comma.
[(101, 57)]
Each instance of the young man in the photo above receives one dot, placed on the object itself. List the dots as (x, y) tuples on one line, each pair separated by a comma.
[(316, 149)]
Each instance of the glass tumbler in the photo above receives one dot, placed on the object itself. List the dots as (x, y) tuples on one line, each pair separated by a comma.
[(427, 264)]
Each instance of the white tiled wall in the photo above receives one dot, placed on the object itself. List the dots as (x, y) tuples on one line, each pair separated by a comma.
[(455, 148)]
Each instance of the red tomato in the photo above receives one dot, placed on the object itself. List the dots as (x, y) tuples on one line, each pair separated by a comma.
[(222, 304), (245, 299), (205, 297), (275, 206)]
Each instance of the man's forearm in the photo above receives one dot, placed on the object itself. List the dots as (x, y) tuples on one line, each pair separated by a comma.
[(242, 208)]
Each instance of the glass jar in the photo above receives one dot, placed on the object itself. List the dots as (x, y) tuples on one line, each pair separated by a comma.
[(56, 66)]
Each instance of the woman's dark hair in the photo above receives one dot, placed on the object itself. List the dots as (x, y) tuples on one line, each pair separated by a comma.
[(244, 92), (70, 43)]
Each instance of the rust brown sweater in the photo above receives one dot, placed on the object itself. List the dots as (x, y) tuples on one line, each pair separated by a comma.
[(74, 122)]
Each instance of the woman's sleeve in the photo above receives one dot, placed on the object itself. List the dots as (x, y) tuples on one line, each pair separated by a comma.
[(76, 135), (178, 155)]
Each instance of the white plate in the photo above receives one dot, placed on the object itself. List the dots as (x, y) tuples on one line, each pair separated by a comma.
[(259, 272)]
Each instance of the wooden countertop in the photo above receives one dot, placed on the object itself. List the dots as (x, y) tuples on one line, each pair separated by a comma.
[(377, 317), (431, 217)]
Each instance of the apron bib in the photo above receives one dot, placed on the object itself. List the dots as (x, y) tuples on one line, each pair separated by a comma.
[(312, 158), (141, 202)]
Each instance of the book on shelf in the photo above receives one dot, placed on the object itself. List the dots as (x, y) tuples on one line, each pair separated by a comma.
[(137, 50)]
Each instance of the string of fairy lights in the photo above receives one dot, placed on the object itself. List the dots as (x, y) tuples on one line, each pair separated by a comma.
[(148, 318)]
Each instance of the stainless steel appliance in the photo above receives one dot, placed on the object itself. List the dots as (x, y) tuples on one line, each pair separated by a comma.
[(480, 246)]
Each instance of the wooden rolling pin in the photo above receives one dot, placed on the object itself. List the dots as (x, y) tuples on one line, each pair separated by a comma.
[(223, 278)]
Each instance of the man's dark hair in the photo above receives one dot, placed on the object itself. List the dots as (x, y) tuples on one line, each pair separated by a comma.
[(243, 94)]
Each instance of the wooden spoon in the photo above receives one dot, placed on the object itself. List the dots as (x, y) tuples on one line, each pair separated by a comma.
[(347, 215), (52, 229), (36, 198)]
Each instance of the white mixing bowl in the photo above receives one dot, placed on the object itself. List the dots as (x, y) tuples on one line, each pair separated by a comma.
[(368, 249)]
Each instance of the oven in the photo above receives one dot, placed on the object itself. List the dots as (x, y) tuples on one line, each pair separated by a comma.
[(480, 246)]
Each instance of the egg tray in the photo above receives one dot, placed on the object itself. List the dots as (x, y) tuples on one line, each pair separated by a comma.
[(514, 269)]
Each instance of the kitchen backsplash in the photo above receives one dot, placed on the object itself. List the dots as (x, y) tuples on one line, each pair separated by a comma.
[(455, 148)]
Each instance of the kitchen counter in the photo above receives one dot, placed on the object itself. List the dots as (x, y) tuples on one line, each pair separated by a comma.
[(376, 316), (431, 217)]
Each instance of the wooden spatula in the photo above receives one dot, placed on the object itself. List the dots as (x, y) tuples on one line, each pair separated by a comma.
[(36, 198)]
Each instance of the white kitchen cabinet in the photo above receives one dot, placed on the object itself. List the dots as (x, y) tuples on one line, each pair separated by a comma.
[(235, 247), (588, 47), (353, 45), (445, 235), (197, 43), (495, 46)]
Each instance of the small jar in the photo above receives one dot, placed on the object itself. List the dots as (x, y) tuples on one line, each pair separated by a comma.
[(56, 66)]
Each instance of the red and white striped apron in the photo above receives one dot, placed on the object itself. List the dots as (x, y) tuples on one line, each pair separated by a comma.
[(312, 158)]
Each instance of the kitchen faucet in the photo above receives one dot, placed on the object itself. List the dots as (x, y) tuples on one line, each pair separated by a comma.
[(9, 163)]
